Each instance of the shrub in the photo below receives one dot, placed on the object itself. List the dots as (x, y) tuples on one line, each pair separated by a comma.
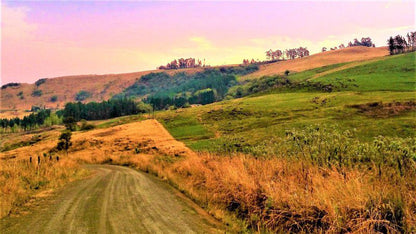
[(20, 95), (40, 81), (82, 95), (10, 85), (54, 98), (37, 93), (85, 126)]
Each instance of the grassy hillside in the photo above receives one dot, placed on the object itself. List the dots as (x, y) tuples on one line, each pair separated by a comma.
[(65, 89), (55, 92), (393, 73), (291, 158), (365, 129), (257, 118), (350, 54)]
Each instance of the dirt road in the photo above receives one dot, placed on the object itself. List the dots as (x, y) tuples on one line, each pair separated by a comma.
[(114, 200)]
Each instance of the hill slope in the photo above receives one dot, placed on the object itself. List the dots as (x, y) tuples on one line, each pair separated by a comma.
[(102, 87), (351, 54)]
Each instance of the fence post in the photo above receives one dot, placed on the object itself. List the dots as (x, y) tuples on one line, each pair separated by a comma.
[(38, 159), (30, 159)]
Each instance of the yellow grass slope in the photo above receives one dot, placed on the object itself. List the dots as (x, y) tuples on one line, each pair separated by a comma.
[(350, 54), (137, 142), (149, 136)]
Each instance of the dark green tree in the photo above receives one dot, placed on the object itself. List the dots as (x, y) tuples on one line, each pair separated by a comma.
[(70, 123), (64, 141)]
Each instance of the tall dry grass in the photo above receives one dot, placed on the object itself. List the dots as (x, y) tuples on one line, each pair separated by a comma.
[(276, 194), (281, 195), (20, 179), (265, 194)]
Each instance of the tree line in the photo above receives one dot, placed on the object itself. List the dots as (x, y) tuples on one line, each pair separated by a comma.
[(203, 96), (183, 63), (276, 55), (365, 41), (102, 110), (32, 121), (288, 53), (398, 44)]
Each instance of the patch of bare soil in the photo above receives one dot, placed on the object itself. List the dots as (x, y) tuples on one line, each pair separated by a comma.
[(384, 110)]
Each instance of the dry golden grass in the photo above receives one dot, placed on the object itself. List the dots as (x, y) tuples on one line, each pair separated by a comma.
[(9, 114), (268, 194), (20, 180), (350, 54)]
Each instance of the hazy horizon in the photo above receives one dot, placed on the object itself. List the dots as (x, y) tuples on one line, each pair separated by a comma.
[(50, 39)]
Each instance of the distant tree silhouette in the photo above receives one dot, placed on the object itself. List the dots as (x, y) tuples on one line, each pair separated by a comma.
[(390, 43), (183, 63), (398, 44)]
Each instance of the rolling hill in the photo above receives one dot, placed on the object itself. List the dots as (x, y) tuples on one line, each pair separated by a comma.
[(55, 92), (350, 54), (101, 87)]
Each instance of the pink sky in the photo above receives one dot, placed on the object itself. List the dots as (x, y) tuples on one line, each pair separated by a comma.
[(57, 38)]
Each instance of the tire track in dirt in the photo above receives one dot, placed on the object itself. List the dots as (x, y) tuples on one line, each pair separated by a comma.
[(115, 200)]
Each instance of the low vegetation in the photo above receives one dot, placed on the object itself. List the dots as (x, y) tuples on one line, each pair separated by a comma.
[(40, 82), (21, 180), (10, 85), (82, 95), (37, 93)]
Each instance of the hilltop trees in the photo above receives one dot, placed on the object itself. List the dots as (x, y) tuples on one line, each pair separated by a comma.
[(274, 55), (411, 40), (398, 44), (365, 41), (247, 62), (288, 53), (183, 63)]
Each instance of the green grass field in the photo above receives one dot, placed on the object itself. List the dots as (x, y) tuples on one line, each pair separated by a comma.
[(257, 119), (395, 73)]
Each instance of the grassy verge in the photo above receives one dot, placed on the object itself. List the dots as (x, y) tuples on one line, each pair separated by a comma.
[(285, 195), (21, 180)]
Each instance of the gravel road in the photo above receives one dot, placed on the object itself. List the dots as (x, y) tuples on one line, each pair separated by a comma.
[(114, 200)]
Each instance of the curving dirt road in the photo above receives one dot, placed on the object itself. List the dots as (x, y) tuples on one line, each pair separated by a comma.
[(115, 200)]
